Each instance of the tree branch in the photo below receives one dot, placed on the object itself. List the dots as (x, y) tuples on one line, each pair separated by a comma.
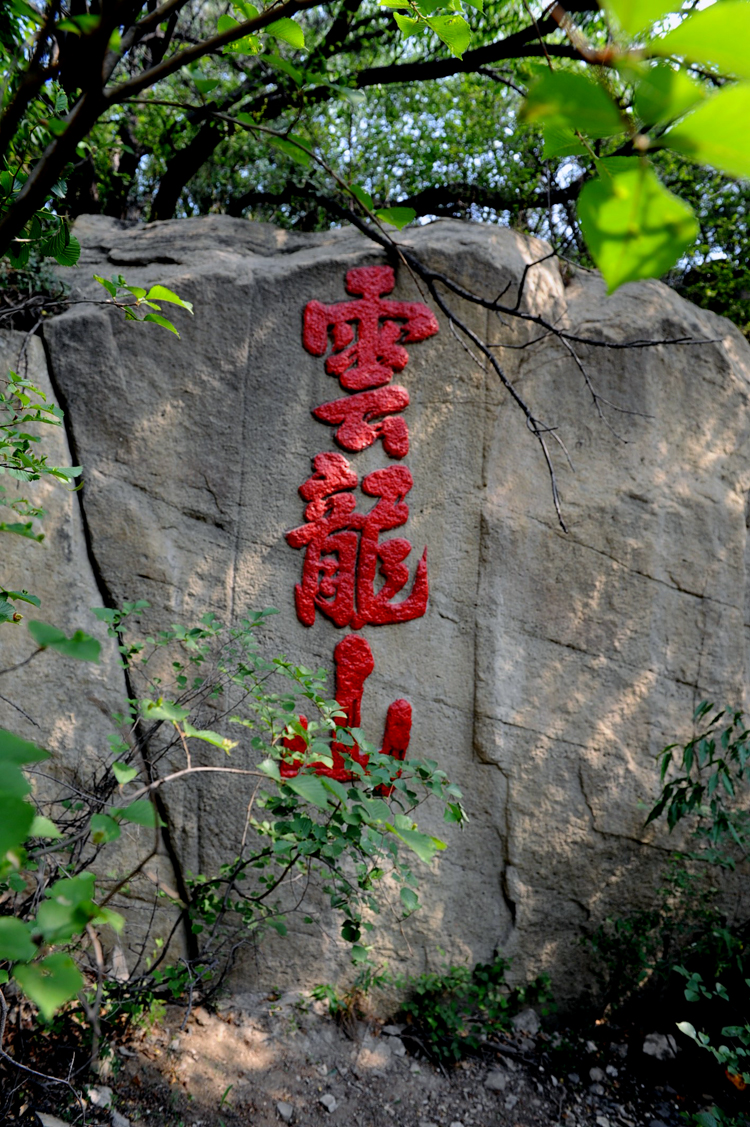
[(124, 90), (456, 199), (30, 84)]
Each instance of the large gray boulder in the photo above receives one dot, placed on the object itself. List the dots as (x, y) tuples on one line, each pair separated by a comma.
[(551, 666)]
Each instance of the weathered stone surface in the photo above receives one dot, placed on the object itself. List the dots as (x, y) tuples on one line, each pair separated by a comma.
[(61, 704), (71, 715), (550, 667)]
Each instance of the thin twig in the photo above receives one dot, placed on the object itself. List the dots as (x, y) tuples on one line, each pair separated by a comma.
[(20, 664), (19, 709)]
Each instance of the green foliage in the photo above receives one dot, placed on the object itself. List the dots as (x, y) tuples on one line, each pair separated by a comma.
[(715, 36), (287, 137), (703, 784), (347, 835), (626, 197), (449, 1014), (633, 226), (81, 646), (715, 1117), (651, 946), (23, 405), (118, 288), (568, 100), (709, 134), (711, 770), (685, 946), (453, 1012)]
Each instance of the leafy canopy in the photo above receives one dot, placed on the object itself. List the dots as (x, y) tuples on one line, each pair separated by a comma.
[(588, 126)]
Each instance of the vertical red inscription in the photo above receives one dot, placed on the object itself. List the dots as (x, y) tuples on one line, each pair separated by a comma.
[(368, 337), (371, 359), (359, 423), (354, 664), (349, 573), (343, 551)]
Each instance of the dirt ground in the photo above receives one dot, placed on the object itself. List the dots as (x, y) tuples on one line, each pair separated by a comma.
[(264, 1061)]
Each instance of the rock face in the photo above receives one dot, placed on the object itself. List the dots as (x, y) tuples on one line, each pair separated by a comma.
[(550, 666)]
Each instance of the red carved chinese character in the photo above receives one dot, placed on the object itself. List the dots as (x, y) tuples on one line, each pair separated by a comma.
[(344, 553), (354, 664), (371, 359), (354, 415)]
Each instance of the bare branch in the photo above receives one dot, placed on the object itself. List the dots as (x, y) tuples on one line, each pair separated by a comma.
[(124, 90)]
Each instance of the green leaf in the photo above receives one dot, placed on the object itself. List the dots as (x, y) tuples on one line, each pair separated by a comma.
[(284, 65), (65, 473), (310, 788), (226, 23), (161, 293), (665, 93), (454, 813), (715, 133), (59, 921), (79, 25), (15, 941), (15, 750), (13, 782), (205, 85), (634, 227), (335, 787), (123, 773), (570, 101), (397, 216), (454, 32), (423, 845), (210, 737), (407, 25), (26, 530), (360, 194), (290, 149), (636, 15), (23, 597), (287, 30), (18, 254), (109, 917), (70, 253), (74, 890), (79, 645), (104, 828), (159, 320), (686, 1028), (719, 34), (409, 899), (50, 982), (163, 710), (560, 141), (141, 813), (43, 827), (15, 822), (247, 45)]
